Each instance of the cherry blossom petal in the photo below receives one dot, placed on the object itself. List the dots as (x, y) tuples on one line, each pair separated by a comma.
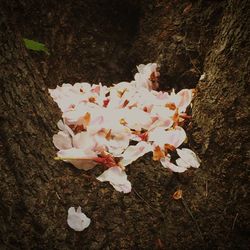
[(142, 78), (65, 128), (185, 99), (165, 123), (79, 158), (84, 141), (62, 140), (117, 178), (174, 137), (167, 164), (137, 119), (162, 112), (132, 153), (182, 163), (189, 157), (77, 220)]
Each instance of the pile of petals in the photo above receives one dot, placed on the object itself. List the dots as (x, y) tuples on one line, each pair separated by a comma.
[(114, 126)]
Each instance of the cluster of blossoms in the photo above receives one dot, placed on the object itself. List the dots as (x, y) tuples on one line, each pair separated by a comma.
[(114, 126)]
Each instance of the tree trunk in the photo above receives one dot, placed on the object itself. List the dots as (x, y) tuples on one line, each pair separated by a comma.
[(187, 39)]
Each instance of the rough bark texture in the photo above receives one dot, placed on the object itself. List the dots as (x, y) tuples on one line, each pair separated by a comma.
[(92, 41)]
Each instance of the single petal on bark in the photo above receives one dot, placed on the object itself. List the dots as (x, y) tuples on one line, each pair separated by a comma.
[(189, 157), (117, 178), (77, 220), (182, 163), (143, 77), (167, 164)]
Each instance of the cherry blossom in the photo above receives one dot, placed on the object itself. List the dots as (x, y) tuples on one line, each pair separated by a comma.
[(143, 79), (114, 126), (77, 220), (117, 178), (79, 158), (188, 157), (175, 168), (132, 153), (174, 137)]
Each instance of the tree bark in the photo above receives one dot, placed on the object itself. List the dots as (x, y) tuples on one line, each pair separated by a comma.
[(37, 191)]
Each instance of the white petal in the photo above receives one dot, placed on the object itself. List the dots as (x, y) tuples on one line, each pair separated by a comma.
[(65, 128), (132, 153), (189, 156), (182, 163), (137, 119), (84, 141), (167, 164), (79, 158), (174, 137), (117, 178), (62, 141), (185, 99), (77, 220)]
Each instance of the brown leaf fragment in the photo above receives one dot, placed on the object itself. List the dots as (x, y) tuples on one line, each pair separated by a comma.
[(177, 194)]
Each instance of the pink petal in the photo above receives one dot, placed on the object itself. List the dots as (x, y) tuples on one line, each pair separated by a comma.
[(189, 157), (185, 100), (84, 141), (117, 178), (167, 164), (77, 220), (79, 158), (132, 153), (62, 141)]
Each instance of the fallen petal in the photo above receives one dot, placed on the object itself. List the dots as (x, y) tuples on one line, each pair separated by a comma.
[(167, 164), (62, 140), (132, 153), (117, 178), (79, 158), (189, 157), (77, 220)]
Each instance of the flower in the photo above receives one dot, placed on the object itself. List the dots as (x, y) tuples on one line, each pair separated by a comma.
[(100, 123), (77, 220), (117, 178)]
